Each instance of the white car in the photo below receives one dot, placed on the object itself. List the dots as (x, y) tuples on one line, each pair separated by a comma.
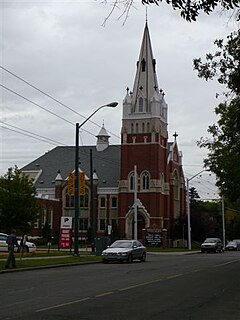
[(124, 250), (28, 246)]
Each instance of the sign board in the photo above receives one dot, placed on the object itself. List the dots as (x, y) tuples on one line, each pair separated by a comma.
[(66, 222), (65, 239), (154, 237), (66, 233)]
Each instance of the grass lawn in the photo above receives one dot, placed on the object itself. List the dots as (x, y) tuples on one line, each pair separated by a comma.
[(46, 259)]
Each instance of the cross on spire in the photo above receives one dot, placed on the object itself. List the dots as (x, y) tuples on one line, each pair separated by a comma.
[(175, 135)]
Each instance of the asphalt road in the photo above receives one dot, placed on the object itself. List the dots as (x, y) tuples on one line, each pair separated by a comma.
[(165, 287)]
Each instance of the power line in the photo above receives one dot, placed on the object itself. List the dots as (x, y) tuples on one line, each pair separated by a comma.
[(51, 97), (34, 136), (36, 104)]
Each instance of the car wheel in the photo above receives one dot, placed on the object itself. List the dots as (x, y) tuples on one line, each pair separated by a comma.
[(143, 257), (130, 258)]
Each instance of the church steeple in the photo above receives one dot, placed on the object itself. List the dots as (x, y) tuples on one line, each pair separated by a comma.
[(145, 109), (145, 84)]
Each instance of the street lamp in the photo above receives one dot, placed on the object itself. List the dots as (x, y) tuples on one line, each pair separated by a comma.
[(76, 185), (188, 209)]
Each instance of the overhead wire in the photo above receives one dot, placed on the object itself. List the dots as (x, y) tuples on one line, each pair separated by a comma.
[(51, 97)]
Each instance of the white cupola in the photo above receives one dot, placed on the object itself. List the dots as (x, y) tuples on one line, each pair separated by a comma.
[(102, 139)]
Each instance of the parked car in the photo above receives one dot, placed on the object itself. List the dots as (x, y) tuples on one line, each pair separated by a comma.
[(233, 245), (236, 240), (27, 247), (124, 250), (212, 245)]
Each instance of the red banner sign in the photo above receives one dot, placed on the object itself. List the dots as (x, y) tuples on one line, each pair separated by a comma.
[(66, 238)]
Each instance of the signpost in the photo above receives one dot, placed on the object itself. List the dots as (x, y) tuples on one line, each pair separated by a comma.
[(154, 237), (66, 233)]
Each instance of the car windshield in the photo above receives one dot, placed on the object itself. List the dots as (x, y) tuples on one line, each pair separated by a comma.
[(210, 240), (121, 244)]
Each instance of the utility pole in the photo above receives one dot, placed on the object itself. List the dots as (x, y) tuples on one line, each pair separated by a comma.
[(76, 185), (135, 203), (188, 209), (223, 222)]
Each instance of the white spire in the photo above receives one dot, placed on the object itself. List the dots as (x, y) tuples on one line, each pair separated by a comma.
[(145, 83)]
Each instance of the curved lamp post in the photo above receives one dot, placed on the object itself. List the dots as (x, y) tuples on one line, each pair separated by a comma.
[(76, 185)]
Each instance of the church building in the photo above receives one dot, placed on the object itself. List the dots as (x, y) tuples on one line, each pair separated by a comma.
[(137, 186)]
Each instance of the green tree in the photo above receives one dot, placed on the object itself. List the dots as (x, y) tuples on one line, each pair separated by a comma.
[(224, 146), (46, 232), (18, 206), (199, 217)]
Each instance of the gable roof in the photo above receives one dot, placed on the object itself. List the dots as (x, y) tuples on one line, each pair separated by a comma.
[(62, 159)]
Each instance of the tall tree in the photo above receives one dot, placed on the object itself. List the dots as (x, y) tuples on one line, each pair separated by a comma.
[(18, 205), (224, 146)]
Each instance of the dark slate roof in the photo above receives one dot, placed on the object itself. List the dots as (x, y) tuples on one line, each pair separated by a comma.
[(106, 163)]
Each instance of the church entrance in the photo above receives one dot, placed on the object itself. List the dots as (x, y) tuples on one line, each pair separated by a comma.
[(143, 221)]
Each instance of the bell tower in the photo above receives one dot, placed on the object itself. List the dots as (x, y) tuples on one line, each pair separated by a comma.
[(144, 144)]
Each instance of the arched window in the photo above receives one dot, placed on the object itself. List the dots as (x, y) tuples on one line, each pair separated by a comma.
[(140, 104), (148, 127), (143, 127), (131, 181), (145, 181), (132, 129), (136, 127)]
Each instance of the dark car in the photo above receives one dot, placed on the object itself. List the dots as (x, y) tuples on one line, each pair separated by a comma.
[(233, 246), (124, 250), (212, 245)]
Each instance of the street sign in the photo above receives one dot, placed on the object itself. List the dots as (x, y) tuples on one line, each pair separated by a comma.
[(66, 233), (66, 222)]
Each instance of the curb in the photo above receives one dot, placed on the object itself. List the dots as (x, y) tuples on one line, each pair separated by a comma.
[(48, 267)]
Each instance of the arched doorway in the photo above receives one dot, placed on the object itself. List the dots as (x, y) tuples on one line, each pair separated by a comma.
[(143, 219)]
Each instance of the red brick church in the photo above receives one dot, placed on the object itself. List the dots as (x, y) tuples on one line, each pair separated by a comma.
[(157, 195)]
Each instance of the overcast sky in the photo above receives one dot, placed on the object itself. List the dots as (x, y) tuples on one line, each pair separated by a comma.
[(62, 48)]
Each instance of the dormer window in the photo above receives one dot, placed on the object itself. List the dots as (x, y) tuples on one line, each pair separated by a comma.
[(143, 63)]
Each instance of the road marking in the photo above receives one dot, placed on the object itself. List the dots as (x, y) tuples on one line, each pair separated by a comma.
[(63, 304), (104, 294), (225, 263), (175, 276), (140, 285)]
